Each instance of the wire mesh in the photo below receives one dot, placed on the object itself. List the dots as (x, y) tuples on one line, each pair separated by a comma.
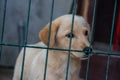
[(48, 48), (3, 26), (51, 18), (111, 39), (91, 37), (25, 41), (73, 13)]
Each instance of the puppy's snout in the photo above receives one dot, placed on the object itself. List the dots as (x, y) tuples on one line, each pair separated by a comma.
[(87, 50)]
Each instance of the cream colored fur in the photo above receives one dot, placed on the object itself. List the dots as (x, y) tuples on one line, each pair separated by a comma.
[(57, 60)]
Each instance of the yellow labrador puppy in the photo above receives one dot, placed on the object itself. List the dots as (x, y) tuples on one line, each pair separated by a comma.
[(57, 59)]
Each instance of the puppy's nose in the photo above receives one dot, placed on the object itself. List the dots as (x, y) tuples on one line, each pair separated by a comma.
[(87, 50)]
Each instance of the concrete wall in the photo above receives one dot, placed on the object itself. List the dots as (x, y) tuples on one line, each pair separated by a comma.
[(16, 16)]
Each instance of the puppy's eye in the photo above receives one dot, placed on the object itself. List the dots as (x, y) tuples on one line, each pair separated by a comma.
[(70, 35), (86, 33)]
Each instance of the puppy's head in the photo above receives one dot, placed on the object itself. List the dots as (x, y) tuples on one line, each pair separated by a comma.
[(61, 33)]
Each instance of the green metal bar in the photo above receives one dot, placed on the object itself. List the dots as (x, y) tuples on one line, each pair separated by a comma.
[(40, 47), (69, 50), (68, 61), (25, 41), (91, 37), (111, 39), (3, 26), (51, 18)]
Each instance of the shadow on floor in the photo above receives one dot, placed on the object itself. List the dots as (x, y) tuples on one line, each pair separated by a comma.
[(6, 73)]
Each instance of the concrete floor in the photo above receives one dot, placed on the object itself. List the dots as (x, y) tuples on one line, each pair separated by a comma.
[(6, 73)]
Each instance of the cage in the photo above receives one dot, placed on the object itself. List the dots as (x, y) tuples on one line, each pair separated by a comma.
[(105, 62)]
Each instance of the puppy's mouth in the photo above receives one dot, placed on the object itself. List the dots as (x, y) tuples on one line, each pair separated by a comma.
[(85, 57)]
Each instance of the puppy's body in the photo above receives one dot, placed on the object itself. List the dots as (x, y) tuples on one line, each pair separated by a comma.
[(57, 60), (56, 68)]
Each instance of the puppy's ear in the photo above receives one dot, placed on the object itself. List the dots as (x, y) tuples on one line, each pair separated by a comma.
[(44, 33)]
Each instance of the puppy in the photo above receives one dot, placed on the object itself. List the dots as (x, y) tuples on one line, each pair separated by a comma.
[(57, 59)]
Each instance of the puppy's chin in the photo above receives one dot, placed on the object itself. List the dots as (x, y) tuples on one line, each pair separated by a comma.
[(79, 55), (84, 58)]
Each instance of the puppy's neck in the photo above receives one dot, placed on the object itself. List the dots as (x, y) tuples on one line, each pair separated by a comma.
[(60, 60), (63, 55)]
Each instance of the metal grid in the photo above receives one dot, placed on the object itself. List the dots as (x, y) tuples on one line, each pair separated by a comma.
[(69, 50)]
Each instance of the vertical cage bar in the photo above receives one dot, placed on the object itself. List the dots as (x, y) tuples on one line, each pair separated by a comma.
[(51, 18), (68, 61), (91, 37), (111, 39), (3, 26), (25, 41)]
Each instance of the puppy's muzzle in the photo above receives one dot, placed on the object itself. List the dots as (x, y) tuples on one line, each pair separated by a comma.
[(87, 50)]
